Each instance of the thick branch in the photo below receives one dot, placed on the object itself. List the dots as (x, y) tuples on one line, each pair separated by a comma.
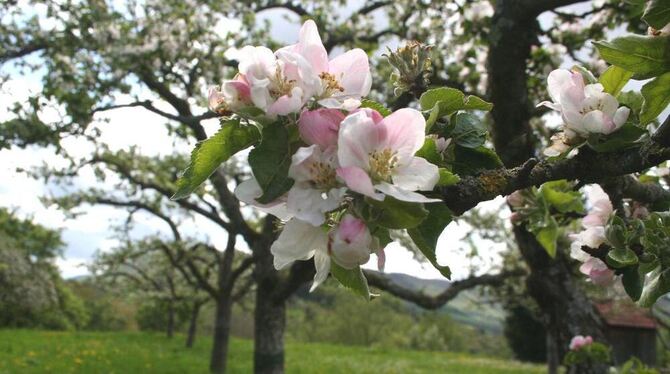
[(424, 300), (587, 167)]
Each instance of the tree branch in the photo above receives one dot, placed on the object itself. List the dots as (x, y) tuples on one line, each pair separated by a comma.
[(424, 300), (588, 167)]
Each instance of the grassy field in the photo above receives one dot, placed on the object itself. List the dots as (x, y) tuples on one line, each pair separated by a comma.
[(23, 351)]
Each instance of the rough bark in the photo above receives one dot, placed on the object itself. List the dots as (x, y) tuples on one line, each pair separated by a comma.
[(219, 354), (565, 309), (270, 311), (193, 324)]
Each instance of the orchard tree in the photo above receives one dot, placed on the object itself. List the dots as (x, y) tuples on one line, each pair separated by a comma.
[(343, 171)]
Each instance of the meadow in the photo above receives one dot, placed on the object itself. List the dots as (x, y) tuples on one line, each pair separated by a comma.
[(30, 351)]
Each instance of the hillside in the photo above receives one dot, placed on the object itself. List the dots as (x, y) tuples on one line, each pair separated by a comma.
[(468, 307)]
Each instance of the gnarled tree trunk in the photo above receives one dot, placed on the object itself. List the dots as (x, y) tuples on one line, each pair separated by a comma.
[(193, 324), (270, 311), (565, 309), (223, 314)]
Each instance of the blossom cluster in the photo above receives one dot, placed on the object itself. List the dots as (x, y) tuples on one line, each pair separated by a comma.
[(592, 236), (585, 109), (578, 342), (348, 154)]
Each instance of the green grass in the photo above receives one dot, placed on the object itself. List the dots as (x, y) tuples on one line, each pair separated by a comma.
[(24, 351)]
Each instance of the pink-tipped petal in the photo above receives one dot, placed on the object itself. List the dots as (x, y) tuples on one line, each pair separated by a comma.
[(320, 126), (359, 181)]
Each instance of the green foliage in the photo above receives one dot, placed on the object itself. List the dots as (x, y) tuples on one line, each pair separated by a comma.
[(447, 178), (209, 154), (367, 103), (352, 279), (426, 234), (657, 13), (645, 56), (594, 353), (471, 161), (467, 130), (395, 214), (613, 79), (656, 98), (270, 161), (444, 101), (628, 135), (152, 315)]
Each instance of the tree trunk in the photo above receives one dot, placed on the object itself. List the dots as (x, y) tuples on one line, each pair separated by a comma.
[(219, 356), (193, 324), (170, 321), (270, 311), (565, 309)]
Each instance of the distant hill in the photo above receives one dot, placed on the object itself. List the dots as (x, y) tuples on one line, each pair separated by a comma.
[(468, 307)]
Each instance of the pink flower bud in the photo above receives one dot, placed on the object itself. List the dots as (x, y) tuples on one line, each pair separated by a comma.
[(578, 342), (320, 126), (350, 242), (515, 199), (234, 94)]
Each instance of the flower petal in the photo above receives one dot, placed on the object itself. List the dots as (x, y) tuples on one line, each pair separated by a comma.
[(405, 133), (249, 190), (358, 137), (322, 265), (417, 175), (359, 181), (352, 71), (403, 195), (298, 241)]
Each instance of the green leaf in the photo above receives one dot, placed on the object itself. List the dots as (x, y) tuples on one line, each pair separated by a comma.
[(270, 161), (560, 195), (395, 214), (656, 286), (447, 178), (657, 13), (469, 161), (425, 235), (367, 103), (622, 257), (589, 78), (444, 101), (209, 154), (633, 282), (429, 152), (449, 97), (646, 56), (614, 78), (547, 236), (656, 98), (468, 130), (352, 279), (625, 137)]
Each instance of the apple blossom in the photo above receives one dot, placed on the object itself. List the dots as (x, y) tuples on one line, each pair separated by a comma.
[(320, 126), (585, 109), (301, 241), (234, 94), (580, 341), (376, 156), (593, 236), (279, 84), (343, 80), (350, 242), (316, 190)]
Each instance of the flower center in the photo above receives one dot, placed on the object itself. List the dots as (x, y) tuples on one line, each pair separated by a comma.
[(323, 176), (598, 105), (281, 86), (382, 164), (330, 84)]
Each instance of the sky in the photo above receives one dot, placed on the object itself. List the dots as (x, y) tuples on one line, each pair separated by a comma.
[(91, 232)]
